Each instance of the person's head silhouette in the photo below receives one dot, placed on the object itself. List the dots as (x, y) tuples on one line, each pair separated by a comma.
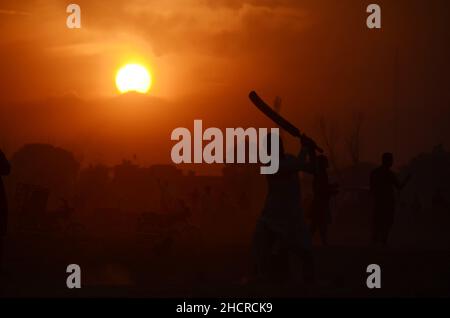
[(387, 160)]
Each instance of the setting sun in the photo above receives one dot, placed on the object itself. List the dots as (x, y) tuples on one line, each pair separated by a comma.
[(133, 78)]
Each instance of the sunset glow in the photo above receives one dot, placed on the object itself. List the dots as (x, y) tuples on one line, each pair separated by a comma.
[(133, 78)]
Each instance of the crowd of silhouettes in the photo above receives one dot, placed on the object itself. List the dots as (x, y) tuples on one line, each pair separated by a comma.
[(219, 206), (281, 232)]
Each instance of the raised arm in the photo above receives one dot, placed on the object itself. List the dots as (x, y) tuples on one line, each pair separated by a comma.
[(300, 162)]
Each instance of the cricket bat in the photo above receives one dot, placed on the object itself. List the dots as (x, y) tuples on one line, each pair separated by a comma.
[(277, 118)]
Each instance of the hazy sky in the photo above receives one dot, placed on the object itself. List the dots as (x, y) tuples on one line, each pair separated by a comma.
[(57, 84)]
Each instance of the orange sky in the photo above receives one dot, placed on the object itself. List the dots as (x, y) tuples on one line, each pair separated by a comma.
[(57, 84)]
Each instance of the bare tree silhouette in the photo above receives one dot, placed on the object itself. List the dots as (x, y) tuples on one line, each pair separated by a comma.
[(353, 141), (329, 133)]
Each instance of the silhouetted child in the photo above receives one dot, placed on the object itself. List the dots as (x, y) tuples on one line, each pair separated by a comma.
[(383, 183)]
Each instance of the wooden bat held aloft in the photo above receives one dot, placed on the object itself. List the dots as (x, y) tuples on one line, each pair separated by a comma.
[(277, 118)]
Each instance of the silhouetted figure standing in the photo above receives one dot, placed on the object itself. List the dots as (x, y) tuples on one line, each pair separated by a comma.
[(4, 171), (323, 191), (280, 229), (383, 183)]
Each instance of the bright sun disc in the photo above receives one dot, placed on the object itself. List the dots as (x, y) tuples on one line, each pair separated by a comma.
[(133, 78)]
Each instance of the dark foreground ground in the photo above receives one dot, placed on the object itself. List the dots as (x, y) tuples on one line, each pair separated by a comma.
[(132, 267)]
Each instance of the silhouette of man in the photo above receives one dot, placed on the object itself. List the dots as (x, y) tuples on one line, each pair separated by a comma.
[(4, 171), (383, 183), (280, 229), (323, 191)]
